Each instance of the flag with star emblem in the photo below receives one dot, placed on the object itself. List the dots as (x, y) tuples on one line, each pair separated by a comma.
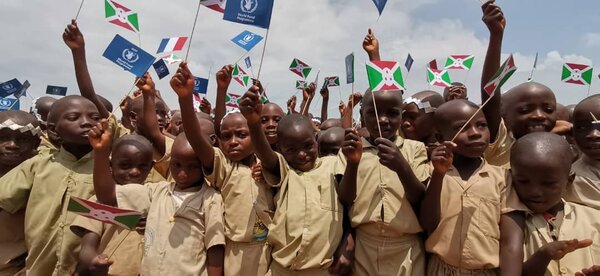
[(577, 73), (232, 100), (127, 219), (121, 16), (504, 73), (439, 78), (461, 62), (384, 75), (300, 68), (301, 84), (171, 59), (240, 76), (332, 81)]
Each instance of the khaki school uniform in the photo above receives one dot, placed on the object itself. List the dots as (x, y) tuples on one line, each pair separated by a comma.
[(574, 222), (498, 153), (387, 240), (249, 209), (43, 184), (160, 170), (12, 242), (45, 145), (585, 189), (307, 226), (125, 246), (466, 240)]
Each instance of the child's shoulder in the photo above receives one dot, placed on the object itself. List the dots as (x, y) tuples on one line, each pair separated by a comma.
[(586, 167)]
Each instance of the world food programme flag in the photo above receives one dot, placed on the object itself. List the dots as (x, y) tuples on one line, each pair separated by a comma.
[(249, 12), (247, 40), (56, 90), (9, 104), (130, 57), (200, 85), (9, 87), (161, 69)]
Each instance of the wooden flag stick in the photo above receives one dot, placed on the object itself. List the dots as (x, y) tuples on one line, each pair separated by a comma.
[(127, 95), (192, 34), (238, 60), (262, 57), (593, 117), (376, 114), (589, 88), (340, 92), (79, 10), (119, 244), (306, 105), (470, 119), (139, 39)]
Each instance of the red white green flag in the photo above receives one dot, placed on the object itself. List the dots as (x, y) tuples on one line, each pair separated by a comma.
[(461, 62), (240, 76), (232, 100), (332, 81), (121, 217), (439, 78), (384, 75), (171, 59), (121, 16), (301, 84), (577, 73), (504, 73), (216, 5), (300, 68)]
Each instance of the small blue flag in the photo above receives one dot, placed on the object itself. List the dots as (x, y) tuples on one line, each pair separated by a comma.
[(409, 62), (247, 40), (249, 12), (10, 87), (201, 85), (248, 62), (130, 57), (56, 90), (380, 4), (9, 104), (350, 68), (23, 90), (161, 69)]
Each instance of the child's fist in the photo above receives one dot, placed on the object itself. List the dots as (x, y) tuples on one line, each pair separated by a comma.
[(309, 91), (493, 17), (325, 92), (100, 265), (145, 83), (100, 136), (205, 106), (370, 43), (352, 146), (558, 249), (592, 271), (442, 157), (73, 37), (291, 104), (183, 81), (251, 105), (224, 76)]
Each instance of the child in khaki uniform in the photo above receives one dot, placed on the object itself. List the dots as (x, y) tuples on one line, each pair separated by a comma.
[(307, 225), (19, 137), (382, 201), (248, 204), (462, 206)]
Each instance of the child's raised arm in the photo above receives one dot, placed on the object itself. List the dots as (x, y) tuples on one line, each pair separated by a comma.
[(149, 123), (100, 137), (346, 111), (251, 108), (223, 81), (74, 40), (325, 96), (371, 46), (495, 22), (352, 150), (183, 84), (291, 105), (308, 95)]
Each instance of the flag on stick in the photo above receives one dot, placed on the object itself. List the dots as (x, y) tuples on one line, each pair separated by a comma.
[(200, 85), (380, 4), (9, 104), (128, 56), (161, 69), (332, 81), (439, 78), (534, 67), (216, 5), (23, 90), (384, 75), (502, 75), (240, 76), (56, 90), (300, 68), (409, 62), (171, 44), (248, 62), (350, 68), (127, 219), (171, 59), (461, 62), (301, 84), (247, 40), (577, 73), (232, 100), (10, 87), (121, 16), (249, 12), (433, 64)]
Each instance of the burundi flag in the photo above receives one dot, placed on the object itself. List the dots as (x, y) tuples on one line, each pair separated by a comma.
[(240, 76), (171, 59), (503, 74), (300, 68), (121, 16), (124, 218), (384, 75), (332, 81), (439, 78), (461, 62), (301, 84), (232, 100), (216, 5), (577, 73)]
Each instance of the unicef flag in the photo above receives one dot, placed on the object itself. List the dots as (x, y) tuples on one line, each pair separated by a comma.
[(249, 12), (247, 40), (9, 87), (9, 104), (130, 57)]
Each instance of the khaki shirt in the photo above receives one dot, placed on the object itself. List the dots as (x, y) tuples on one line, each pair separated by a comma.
[(247, 203), (125, 246), (160, 170), (380, 194), (44, 184), (468, 233), (498, 153), (45, 145), (12, 238), (177, 240), (585, 189), (578, 222), (307, 226)]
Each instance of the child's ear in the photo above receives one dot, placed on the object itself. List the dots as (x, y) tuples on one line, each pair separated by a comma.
[(571, 178), (213, 140), (133, 119), (51, 128)]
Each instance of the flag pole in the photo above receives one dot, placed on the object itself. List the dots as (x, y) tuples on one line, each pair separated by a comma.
[(13, 104), (472, 116), (238, 60), (192, 34), (593, 117), (119, 244), (79, 10), (262, 57), (376, 114), (589, 88), (533, 68), (139, 39), (126, 95)]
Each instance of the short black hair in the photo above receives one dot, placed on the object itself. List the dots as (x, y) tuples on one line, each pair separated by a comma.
[(138, 141), (293, 121), (543, 145)]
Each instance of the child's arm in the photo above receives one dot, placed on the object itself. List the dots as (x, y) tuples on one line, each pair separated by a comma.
[(511, 243), (74, 40), (149, 123), (205, 106), (291, 105), (90, 261), (214, 260), (223, 81), (183, 84), (431, 208), (352, 150), (307, 96), (592, 271), (325, 95), (371, 46), (348, 110), (100, 137), (494, 20), (344, 254), (538, 262), (251, 107)]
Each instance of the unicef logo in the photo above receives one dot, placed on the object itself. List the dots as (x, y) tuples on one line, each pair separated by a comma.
[(130, 55), (7, 86), (248, 6), (249, 37)]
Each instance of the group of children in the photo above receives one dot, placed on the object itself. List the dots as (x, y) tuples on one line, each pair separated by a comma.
[(429, 184)]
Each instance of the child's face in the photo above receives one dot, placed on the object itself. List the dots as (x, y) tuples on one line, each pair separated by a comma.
[(474, 138), (185, 167), (388, 109), (299, 148), (16, 146), (175, 125), (586, 134), (330, 141), (532, 110), (235, 138), (162, 112), (270, 117), (416, 124), (78, 116), (129, 164)]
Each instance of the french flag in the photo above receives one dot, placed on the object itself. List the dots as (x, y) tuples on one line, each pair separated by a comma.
[(171, 44)]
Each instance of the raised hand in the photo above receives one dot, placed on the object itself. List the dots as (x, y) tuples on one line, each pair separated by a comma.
[(100, 136), (355, 98), (558, 249), (389, 155), (145, 84), (325, 92), (442, 157), (205, 106), (493, 17), (257, 173), (183, 81), (352, 146), (224, 76), (592, 271), (72, 36), (291, 104), (342, 108), (371, 45), (251, 105), (309, 92)]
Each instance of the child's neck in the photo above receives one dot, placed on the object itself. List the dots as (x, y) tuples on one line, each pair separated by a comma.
[(199, 183), (248, 160), (466, 166), (78, 151), (556, 208)]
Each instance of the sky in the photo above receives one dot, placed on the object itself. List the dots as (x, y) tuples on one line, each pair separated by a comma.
[(318, 32)]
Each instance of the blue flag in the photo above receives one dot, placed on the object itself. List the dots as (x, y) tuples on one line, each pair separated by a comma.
[(23, 90), (350, 68), (380, 4), (201, 85), (249, 12), (56, 90), (247, 40), (409, 62), (248, 62), (161, 69), (9, 104), (130, 57), (10, 87)]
